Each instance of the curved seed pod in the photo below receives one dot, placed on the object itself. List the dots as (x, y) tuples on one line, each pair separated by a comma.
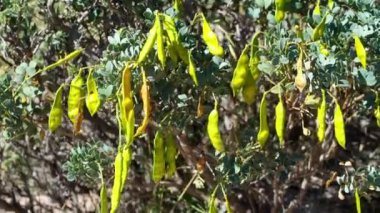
[(321, 115), (360, 51), (280, 120), (103, 199), (92, 98), (319, 29), (148, 46), (357, 201), (76, 94), (317, 9), (263, 134), (158, 157), (56, 112), (127, 156), (192, 70), (254, 59), (240, 73), (330, 4), (213, 129), (250, 90), (127, 115), (340, 134), (160, 43), (67, 58), (211, 39), (171, 153), (147, 108), (116, 189), (172, 52), (280, 10)]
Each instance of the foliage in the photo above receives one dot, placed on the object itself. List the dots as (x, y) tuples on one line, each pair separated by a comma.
[(37, 33)]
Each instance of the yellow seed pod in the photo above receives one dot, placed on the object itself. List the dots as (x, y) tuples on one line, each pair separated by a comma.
[(103, 199), (56, 112), (263, 134), (192, 70), (241, 71), (170, 154), (174, 40), (280, 10), (213, 129), (357, 201), (76, 94), (317, 9), (92, 98), (211, 39), (146, 102), (340, 134), (67, 58), (360, 52), (127, 156), (300, 80), (254, 59), (330, 4), (160, 43), (321, 116), (280, 120), (319, 29), (148, 46), (116, 189), (158, 157)]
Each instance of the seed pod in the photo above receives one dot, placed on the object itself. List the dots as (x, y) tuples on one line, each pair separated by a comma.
[(92, 98), (211, 203), (75, 102), (171, 153), (319, 29), (173, 37), (127, 115), (323, 50), (160, 43), (254, 59), (200, 107), (280, 10), (340, 134), (192, 70), (321, 115), (300, 80), (317, 9), (127, 156), (263, 134), (360, 52), (178, 6), (280, 120), (330, 4), (56, 112), (116, 189), (67, 58), (158, 157), (377, 110), (211, 39), (146, 102), (250, 89), (103, 199), (213, 129), (240, 73), (149, 42), (357, 201)]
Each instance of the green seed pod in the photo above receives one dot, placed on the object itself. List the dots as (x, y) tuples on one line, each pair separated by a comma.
[(240, 73), (280, 120), (92, 98), (158, 157), (321, 116), (340, 133), (213, 129), (263, 134), (56, 112), (171, 153)]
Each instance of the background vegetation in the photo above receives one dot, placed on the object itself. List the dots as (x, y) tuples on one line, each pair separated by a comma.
[(42, 171)]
